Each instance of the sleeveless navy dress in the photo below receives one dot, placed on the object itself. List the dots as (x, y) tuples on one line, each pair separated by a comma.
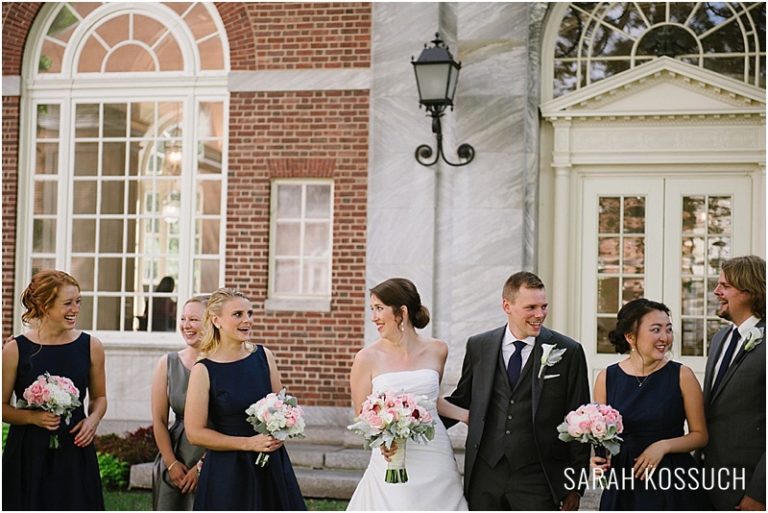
[(36, 477), (231, 480), (651, 412)]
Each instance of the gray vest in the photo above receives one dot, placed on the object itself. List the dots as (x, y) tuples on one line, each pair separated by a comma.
[(509, 421)]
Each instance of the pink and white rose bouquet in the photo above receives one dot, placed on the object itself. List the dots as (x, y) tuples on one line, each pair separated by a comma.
[(278, 415), (596, 424), (388, 417), (54, 394)]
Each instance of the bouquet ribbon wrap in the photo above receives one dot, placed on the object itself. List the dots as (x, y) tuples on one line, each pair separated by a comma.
[(396, 472)]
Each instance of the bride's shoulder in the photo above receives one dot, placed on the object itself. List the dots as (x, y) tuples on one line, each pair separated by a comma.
[(440, 347)]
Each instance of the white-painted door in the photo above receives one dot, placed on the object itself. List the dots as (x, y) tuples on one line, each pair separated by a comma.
[(660, 237)]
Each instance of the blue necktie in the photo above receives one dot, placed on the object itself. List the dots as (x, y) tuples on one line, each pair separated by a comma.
[(727, 357), (515, 364)]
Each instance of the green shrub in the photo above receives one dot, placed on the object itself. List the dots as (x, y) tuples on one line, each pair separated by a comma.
[(136, 447), (114, 471), (5, 433)]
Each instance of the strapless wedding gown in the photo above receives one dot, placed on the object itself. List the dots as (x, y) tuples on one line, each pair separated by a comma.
[(434, 482)]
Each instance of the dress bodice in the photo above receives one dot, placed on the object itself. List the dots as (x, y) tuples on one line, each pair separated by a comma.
[(420, 382)]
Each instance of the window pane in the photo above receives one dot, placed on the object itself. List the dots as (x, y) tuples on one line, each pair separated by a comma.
[(38, 264), (287, 239), (115, 119), (87, 120), (633, 289), (44, 236), (610, 211), (316, 278), (693, 337), (47, 158), (210, 120), (109, 313), (84, 235), (110, 274), (604, 326), (317, 240), (634, 215), (288, 201), (84, 197), (169, 54), (111, 236), (318, 201), (143, 119), (206, 276), (85, 318), (208, 236), (608, 255), (287, 277), (48, 121), (209, 157), (719, 215), (634, 255), (140, 159), (209, 197), (608, 295), (112, 197), (46, 196), (113, 163), (693, 295), (83, 269), (86, 159)]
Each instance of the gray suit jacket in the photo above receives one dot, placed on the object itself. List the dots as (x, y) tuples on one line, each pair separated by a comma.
[(736, 420), (552, 399)]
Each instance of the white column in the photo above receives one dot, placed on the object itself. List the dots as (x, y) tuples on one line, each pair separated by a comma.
[(560, 290)]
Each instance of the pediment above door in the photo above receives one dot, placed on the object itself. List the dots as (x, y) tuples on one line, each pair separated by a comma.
[(663, 87)]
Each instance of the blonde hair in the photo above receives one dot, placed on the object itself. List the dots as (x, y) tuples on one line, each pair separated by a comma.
[(42, 291), (211, 335)]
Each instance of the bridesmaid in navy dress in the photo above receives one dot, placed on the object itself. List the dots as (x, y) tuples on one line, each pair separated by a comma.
[(35, 476), (231, 377), (655, 396)]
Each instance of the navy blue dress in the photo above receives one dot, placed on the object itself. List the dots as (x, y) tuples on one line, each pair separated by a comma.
[(231, 480), (651, 412), (36, 477)]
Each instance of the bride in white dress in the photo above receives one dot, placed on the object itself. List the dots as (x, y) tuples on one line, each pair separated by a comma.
[(403, 361)]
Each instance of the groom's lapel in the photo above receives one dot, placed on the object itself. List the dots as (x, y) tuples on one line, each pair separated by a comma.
[(740, 355), (490, 358), (535, 381)]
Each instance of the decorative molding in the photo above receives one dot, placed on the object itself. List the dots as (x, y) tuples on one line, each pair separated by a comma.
[(11, 85), (724, 96), (301, 80), (301, 168)]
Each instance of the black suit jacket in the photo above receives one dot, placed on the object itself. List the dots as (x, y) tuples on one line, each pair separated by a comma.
[(560, 388)]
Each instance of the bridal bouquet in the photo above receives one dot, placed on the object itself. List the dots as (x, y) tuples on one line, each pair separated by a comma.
[(54, 394), (278, 415), (387, 417), (596, 424)]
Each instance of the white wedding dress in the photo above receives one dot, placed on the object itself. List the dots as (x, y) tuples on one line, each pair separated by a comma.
[(434, 482)]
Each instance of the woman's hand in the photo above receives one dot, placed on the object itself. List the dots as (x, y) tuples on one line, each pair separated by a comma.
[(388, 453), (603, 464), (44, 419), (177, 473), (264, 443), (85, 431), (188, 481), (649, 459)]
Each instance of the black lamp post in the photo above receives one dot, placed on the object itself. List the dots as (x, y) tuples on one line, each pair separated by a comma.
[(436, 77)]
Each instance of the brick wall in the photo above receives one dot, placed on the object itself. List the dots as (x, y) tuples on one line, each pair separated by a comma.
[(302, 134), (17, 19), (297, 35), (10, 183)]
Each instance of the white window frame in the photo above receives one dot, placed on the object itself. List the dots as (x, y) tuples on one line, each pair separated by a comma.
[(190, 86), (297, 302)]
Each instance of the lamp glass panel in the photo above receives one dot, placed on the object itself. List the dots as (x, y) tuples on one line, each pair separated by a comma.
[(453, 80), (432, 80)]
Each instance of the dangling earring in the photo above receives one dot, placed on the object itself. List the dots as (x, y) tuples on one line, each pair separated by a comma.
[(402, 328)]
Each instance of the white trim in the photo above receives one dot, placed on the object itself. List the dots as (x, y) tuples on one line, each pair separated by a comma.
[(11, 85), (301, 80)]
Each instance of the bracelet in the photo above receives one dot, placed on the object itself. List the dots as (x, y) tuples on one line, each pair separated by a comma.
[(172, 464), (199, 466)]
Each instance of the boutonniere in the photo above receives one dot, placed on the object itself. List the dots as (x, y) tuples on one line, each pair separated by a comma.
[(754, 338), (550, 356)]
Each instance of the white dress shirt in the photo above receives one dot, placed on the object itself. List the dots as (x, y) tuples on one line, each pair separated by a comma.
[(743, 328), (508, 347)]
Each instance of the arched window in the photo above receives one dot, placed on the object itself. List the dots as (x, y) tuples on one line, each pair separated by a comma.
[(597, 40), (124, 161)]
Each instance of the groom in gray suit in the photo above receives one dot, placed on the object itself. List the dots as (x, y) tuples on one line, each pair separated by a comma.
[(734, 388), (516, 397)]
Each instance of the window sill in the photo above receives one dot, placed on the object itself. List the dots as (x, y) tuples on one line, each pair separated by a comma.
[(298, 304)]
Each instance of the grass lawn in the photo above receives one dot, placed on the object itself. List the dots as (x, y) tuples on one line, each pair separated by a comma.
[(141, 500)]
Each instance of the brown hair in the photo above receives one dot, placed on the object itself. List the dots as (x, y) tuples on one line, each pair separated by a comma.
[(42, 292), (209, 342), (401, 292), (747, 273), (520, 279)]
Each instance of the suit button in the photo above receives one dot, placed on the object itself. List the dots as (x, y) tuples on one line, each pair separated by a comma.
[(509, 417), (511, 401), (507, 431)]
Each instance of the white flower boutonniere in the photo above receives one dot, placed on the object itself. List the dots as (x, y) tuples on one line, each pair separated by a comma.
[(754, 338), (550, 356)]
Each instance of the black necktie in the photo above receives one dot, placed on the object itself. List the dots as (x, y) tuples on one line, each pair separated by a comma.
[(727, 357), (515, 363)]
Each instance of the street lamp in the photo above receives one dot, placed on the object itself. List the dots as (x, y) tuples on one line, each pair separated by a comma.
[(436, 77)]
